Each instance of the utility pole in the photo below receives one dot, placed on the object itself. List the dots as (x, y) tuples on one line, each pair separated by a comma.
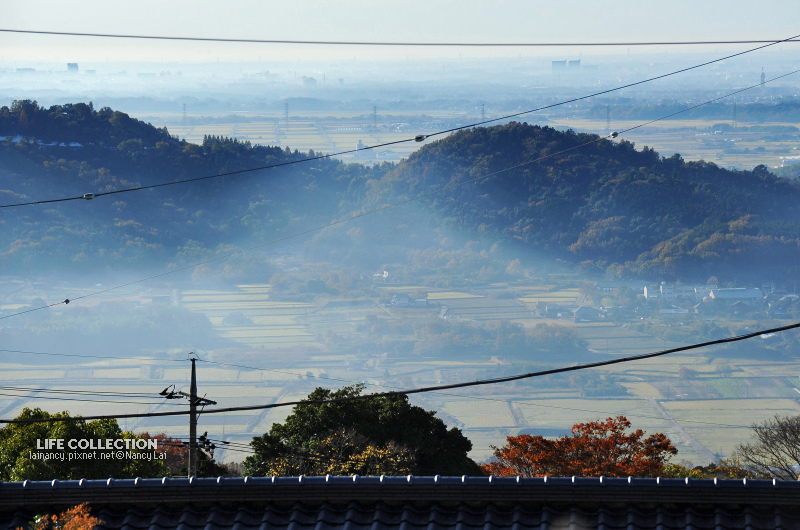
[(193, 424), (193, 402)]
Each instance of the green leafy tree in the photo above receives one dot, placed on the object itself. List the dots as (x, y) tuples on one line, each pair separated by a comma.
[(419, 440), (19, 452), (725, 468), (345, 452)]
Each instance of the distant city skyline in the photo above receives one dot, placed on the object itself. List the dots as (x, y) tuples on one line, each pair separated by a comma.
[(360, 20)]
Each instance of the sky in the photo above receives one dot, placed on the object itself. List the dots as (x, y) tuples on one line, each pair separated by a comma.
[(370, 20)]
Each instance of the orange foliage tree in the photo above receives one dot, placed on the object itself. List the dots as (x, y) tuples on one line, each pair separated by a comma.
[(76, 518), (593, 449)]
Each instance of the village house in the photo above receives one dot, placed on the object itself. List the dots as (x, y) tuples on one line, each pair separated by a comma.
[(752, 298)]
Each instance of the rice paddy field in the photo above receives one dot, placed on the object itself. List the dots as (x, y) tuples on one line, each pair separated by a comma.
[(741, 149), (250, 318), (282, 353), (322, 134)]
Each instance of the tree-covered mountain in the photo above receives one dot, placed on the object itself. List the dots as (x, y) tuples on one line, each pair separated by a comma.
[(46, 156), (519, 188), (606, 204)]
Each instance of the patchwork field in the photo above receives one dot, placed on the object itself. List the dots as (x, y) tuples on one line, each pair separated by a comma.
[(322, 135), (558, 296), (250, 318), (281, 354), (692, 139), (486, 414), (610, 338)]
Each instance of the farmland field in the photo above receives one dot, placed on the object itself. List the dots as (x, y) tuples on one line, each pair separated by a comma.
[(692, 139), (279, 351), (250, 317), (320, 134)]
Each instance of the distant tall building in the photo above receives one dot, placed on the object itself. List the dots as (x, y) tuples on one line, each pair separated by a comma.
[(307, 82), (575, 64), (72, 68), (559, 65), (763, 78)]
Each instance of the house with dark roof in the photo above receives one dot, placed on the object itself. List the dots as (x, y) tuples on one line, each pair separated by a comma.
[(413, 502), (586, 314)]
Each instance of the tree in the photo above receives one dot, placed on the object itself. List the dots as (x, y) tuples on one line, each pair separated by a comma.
[(380, 435), (345, 452), (776, 452), (21, 458), (593, 449), (725, 468)]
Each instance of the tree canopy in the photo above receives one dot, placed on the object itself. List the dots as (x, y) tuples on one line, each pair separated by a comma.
[(597, 448), (20, 450), (573, 196), (385, 435)]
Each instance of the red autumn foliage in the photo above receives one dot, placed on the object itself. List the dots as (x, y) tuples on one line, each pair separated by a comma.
[(594, 449), (177, 452), (76, 518)]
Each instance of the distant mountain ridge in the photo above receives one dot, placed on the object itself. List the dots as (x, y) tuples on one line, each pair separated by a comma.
[(602, 204)]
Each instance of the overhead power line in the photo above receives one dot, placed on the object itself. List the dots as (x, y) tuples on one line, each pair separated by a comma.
[(142, 358), (386, 207), (61, 398), (78, 392), (418, 138), (481, 382), (421, 44), (484, 398), (350, 381)]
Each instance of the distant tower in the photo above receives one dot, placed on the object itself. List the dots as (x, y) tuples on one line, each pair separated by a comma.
[(763, 78), (286, 114), (483, 112)]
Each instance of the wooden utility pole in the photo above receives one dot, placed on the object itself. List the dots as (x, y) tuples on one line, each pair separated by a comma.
[(193, 424), (193, 402)]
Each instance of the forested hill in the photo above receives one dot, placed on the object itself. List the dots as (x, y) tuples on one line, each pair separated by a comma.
[(606, 204), (70, 150), (574, 197)]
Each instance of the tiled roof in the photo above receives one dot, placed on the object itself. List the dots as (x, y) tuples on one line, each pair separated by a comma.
[(413, 502)]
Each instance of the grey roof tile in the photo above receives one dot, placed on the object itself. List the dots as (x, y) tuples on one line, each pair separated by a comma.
[(413, 503)]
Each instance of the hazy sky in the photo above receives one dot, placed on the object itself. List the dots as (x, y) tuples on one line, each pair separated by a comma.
[(407, 20)]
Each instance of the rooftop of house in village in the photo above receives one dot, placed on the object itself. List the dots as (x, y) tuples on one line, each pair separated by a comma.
[(413, 502)]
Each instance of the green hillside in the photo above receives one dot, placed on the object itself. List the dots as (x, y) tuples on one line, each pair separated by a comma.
[(598, 203)]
